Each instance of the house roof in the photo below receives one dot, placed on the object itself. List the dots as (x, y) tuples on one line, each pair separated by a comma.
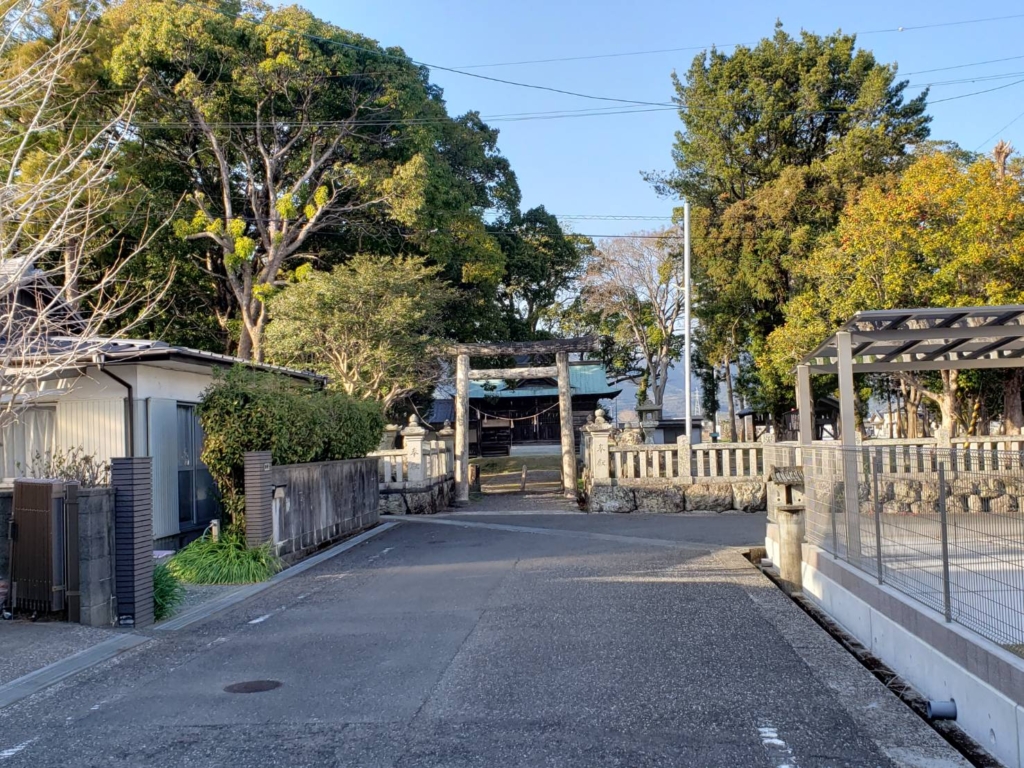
[(18, 268), (585, 378), (929, 339), (132, 351)]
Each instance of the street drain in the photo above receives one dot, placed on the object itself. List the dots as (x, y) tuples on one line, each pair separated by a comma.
[(253, 686)]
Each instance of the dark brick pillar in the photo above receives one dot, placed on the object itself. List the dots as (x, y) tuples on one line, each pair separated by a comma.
[(259, 491), (132, 480)]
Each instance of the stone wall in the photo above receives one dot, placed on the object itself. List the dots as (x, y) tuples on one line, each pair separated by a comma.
[(418, 501), (919, 494), (661, 497), (96, 556), (316, 504), (95, 553)]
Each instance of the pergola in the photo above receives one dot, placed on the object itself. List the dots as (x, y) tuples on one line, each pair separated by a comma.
[(561, 348), (895, 340)]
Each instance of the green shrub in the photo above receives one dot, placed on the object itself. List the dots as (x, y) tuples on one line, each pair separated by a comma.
[(248, 410), (168, 593), (225, 561)]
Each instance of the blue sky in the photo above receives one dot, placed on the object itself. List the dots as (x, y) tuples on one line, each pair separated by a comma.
[(591, 165)]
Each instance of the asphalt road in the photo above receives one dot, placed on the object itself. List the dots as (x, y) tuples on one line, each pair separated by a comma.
[(544, 640)]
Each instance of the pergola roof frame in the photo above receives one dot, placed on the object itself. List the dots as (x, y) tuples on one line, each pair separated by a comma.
[(932, 339)]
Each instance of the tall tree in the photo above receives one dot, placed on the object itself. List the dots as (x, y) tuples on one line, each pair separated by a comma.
[(636, 281), (542, 263), (300, 138), (947, 232), (59, 189), (774, 140), (372, 325)]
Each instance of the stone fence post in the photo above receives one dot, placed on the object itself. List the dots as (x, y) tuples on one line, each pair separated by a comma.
[(413, 437), (600, 436), (447, 435), (791, 538), (684, 456)]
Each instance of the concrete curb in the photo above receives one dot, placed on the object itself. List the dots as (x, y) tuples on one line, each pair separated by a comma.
[(204, 611), (33, 682)]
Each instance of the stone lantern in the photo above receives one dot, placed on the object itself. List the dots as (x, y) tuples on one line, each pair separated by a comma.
[(650, 417)]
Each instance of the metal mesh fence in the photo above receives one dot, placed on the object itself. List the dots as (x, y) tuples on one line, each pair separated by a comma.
[(943, 526)]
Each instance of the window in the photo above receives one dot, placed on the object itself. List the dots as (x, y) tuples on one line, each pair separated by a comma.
[(33, 433)]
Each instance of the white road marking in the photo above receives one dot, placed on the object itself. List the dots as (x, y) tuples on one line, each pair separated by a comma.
[(778, 750), (379, 554), (12, 751), (261, 619)]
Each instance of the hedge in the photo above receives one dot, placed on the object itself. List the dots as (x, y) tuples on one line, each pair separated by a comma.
[(249, 410)]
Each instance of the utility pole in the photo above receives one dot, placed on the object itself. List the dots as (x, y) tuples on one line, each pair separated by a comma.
[(686, 318)]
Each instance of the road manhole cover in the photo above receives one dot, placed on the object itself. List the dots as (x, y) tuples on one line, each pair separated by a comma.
[(253, 686)]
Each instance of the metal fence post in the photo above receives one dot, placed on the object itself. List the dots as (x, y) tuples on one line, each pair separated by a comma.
[(944, 527), (835, 529), (876, 471)]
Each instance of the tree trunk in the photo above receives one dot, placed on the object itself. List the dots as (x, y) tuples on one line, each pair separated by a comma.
[(732, 402), (948, 401), (1013, 412)]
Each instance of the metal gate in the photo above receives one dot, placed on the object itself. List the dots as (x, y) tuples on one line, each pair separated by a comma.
[(44, 568)]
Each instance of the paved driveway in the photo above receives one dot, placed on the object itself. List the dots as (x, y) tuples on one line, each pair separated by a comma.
[(517, 640)]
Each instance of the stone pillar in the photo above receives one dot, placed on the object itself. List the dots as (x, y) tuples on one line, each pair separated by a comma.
[(387, 440), (600, 434), (413, 437), (565, 421), (447, 435), (791, 538), (132, 479), (259, 498), (685, 465), (462, 428)]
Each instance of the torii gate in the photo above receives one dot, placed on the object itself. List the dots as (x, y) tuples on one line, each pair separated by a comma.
[(561, 349)]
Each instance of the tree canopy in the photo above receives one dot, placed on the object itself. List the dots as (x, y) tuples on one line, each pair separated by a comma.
[(775, 139)]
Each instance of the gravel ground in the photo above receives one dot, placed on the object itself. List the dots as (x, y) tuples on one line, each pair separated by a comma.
[(28, 646)]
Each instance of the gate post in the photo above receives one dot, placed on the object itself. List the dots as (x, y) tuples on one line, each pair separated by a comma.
[(462, 429), (412, 437), (132, 479), (259, 501), (565, 421)]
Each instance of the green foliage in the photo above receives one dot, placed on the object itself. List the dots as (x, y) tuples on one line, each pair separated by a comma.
[(372, 326), (168, 593), (226, 560), (248, 410), (73, 464), (775, 139)]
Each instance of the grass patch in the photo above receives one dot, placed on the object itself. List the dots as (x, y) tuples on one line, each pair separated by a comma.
[(496, 465), (225, 561), (168, 593)]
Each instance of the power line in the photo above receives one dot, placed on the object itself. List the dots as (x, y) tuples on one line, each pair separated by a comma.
[(655, 51), (977, 93), (1009, 124), (351, 46), (961, 66)]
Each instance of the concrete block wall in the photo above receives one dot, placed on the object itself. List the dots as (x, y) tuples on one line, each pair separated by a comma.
[(311, 505), (96, 556)]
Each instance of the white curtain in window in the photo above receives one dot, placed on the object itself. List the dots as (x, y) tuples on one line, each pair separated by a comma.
[(32, 433)]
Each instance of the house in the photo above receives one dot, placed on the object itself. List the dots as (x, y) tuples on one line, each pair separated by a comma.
[(106, 398), (131, 398), (503, 414)]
